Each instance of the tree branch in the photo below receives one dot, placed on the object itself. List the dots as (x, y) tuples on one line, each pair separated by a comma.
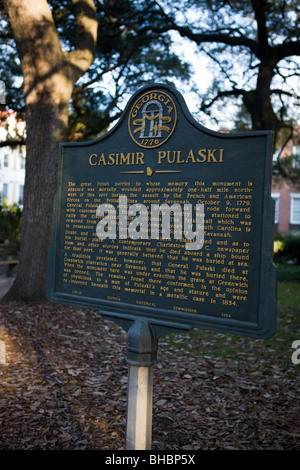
[(222, 94), (215, 36), (259, 7), (277, 91), (286, 49), (86, 37), (34, 30)]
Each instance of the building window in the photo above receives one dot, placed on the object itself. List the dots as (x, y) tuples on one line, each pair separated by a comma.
[(296, 157), (4, 191), (21, 194), (5, 161), (276, 196), (295, 208), (22, 161)]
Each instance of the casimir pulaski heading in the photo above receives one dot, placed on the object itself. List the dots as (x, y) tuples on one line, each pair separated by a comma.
[(152, 121)]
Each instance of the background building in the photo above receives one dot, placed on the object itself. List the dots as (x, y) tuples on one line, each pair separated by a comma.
[(12, 159), (285, 191)]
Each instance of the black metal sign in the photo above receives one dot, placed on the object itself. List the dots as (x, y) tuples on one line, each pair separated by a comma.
[(164, 220)]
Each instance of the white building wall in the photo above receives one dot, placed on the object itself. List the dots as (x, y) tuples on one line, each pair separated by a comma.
[(12, 174), (12, 163)]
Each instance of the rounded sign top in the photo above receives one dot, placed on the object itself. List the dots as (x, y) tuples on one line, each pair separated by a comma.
[(152, 119)]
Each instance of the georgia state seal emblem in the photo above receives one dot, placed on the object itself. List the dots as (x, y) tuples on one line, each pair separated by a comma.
[(152, 119)]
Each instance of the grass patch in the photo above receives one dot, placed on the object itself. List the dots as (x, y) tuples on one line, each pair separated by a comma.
[(274, 352), (288, 272)]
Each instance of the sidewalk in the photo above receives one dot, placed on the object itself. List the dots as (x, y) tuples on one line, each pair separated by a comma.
[(5, 283)]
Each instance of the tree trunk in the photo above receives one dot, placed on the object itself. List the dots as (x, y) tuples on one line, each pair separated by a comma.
[(46, 124), (49, 76), (263, 116), (264, 112)]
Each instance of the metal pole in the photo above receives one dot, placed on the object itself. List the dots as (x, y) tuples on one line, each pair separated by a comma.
[(142, 354), (142, 345), (139, 408)]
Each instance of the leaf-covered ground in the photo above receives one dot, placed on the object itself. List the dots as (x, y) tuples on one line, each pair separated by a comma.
[(64, 385)]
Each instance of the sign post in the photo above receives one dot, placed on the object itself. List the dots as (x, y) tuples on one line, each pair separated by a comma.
[(142, 347), (139, 408), (163, 225), (142, 354)]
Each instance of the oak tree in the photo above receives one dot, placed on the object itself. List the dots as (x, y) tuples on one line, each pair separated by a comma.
[(49, 74), (254, 47), (65, 49)]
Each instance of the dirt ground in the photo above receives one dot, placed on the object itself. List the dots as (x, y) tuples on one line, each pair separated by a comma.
[(64, 383)]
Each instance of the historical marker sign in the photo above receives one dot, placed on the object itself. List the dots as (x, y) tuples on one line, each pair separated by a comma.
[(165, 220)]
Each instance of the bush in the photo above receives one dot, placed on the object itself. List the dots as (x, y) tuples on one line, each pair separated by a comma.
[(279, 246), (10, 223), (287, 249), (292, 246)]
